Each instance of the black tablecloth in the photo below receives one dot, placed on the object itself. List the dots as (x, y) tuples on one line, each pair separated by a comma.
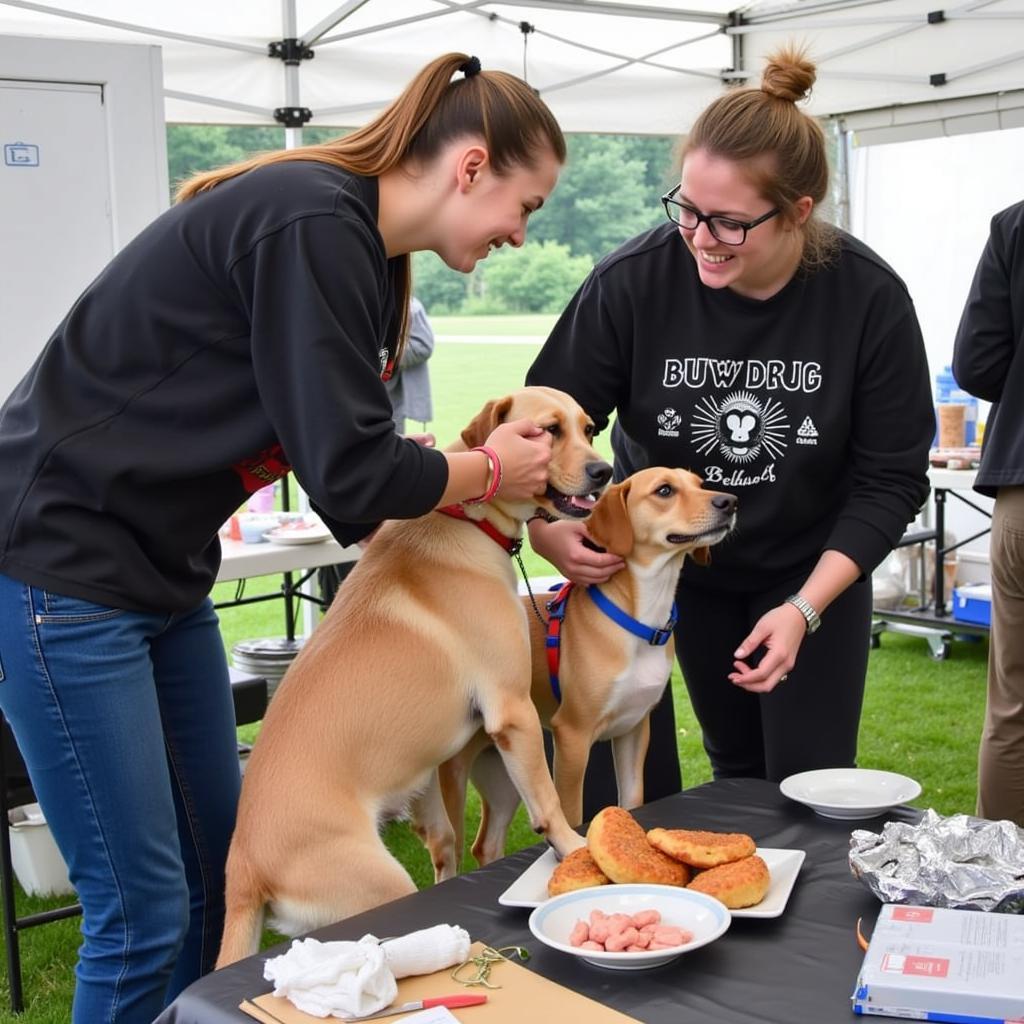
[(800, 967)]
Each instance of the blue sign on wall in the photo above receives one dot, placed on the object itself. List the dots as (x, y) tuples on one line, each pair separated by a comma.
[(21, 154)]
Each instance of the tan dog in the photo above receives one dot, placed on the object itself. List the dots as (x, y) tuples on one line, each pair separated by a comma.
[(610, 679), (427, 645)]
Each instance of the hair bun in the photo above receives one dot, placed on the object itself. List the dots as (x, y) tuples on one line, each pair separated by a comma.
[(470, 67), (788, 75)]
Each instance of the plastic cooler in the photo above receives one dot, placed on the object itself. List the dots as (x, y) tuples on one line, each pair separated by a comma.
[(973, 603)]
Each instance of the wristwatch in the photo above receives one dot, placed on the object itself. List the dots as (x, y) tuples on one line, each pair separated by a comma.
[(806, 609)]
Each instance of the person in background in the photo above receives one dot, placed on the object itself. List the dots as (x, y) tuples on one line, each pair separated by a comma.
[(243, 333), (780, 359), (409, 387), (988, 362)]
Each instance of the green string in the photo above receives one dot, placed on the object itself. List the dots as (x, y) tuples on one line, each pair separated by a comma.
[(484, 961)]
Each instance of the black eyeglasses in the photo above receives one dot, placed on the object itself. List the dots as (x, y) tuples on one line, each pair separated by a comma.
[(725, 229)]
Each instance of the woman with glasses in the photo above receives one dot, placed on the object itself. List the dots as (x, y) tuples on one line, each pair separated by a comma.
[(780, 359)]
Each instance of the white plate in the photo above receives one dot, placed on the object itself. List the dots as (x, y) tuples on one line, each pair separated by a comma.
[(314, 535), (850, 793), (530, 889), (701, 915)]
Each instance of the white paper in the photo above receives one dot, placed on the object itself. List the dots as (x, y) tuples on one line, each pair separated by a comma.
[(435, 1015)]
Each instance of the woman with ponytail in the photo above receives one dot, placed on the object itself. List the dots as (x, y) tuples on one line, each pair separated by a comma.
[(781, 360), (245, 332)]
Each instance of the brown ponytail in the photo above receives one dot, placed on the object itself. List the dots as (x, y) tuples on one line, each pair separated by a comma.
[(782, 147), (432, 110)]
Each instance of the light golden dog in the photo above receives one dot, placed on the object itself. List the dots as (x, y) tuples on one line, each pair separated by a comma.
[(426, 644), (610, 678)]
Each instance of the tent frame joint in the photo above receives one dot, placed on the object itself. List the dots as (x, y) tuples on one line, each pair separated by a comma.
[(291, 51), (292, 117)]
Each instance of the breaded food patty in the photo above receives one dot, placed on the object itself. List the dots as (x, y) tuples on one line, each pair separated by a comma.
[(702, 849), (619, 846), (576, 871), (743, 883)]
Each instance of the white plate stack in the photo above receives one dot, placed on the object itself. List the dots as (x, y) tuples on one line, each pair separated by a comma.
[(266, 656)]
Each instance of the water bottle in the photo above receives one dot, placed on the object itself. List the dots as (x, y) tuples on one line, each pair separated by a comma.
[(948, 390)]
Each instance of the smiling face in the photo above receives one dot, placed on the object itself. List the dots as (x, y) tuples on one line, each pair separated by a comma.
[(490, 210), (771, 252)]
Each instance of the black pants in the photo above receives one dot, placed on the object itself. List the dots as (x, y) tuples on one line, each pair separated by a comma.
[(809, 721)]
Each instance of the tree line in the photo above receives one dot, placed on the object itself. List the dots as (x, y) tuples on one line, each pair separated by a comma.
[(608, 191)]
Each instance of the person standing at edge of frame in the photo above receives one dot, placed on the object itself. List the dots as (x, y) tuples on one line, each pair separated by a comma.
[(409, 386), (781, 360), (988, 361), (246, 331)]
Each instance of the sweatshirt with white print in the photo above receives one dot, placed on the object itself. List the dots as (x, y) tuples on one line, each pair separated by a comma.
[(813, 407)]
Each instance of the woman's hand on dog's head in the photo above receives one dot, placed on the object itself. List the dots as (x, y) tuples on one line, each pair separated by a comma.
[(525, 451)]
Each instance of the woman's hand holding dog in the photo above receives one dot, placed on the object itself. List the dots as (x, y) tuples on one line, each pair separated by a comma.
[(525, 451), (565, 545)]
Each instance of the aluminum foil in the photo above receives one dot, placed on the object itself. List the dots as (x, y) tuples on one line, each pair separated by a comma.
[(960, 862)]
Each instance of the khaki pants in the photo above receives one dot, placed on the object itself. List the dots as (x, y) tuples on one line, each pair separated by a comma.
[(1001, 755)]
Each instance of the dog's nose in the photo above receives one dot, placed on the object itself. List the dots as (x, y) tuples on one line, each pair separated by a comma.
[(598, 473), (724, 502)]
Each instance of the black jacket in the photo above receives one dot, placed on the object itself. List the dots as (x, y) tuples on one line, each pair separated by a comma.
[(988, 355), (814, 406), (242, 332)]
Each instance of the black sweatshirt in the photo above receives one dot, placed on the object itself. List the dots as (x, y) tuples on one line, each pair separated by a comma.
[(988, 357), (242, 332), (813, 407)]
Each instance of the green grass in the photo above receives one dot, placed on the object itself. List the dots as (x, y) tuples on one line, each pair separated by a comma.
[(533, 324), (921, 716)]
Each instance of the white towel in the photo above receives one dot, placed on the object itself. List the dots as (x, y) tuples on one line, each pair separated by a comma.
[(428, 950), (350, 979)]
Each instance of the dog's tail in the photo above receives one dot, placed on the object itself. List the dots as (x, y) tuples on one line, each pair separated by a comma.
[(244, 913)]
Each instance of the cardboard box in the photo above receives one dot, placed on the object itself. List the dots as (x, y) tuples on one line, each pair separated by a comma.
[(37, 862), (973, 603), (519, 996), (930, 963)]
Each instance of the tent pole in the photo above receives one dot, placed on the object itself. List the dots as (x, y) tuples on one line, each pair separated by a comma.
[(841, 180), (289, 27)]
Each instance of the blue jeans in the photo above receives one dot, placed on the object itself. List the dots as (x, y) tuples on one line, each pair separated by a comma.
[(126, 723)]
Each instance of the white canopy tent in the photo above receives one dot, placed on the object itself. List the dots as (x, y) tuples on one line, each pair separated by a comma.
[(889, 71), (901, 68)]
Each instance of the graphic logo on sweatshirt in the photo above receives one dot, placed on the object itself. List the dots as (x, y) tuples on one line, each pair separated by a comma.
[(668, 423), (740, 427), (807, 432), (262, 470)]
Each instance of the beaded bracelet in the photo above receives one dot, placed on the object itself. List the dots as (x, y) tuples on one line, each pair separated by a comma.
[(495, 479)]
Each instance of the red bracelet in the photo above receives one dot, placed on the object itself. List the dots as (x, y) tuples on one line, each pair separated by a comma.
[(495, 482)]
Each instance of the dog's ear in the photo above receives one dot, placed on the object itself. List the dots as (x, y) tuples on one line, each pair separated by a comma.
[(609, 524), (493, 413), (702, 556)]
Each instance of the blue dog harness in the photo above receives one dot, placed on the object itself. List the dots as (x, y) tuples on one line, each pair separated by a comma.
[(656, 637)]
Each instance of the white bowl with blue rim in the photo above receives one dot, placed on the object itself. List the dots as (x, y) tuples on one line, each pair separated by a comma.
[(702, 916)]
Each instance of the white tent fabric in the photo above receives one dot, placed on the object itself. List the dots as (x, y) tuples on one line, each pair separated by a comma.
[(644, 66)]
